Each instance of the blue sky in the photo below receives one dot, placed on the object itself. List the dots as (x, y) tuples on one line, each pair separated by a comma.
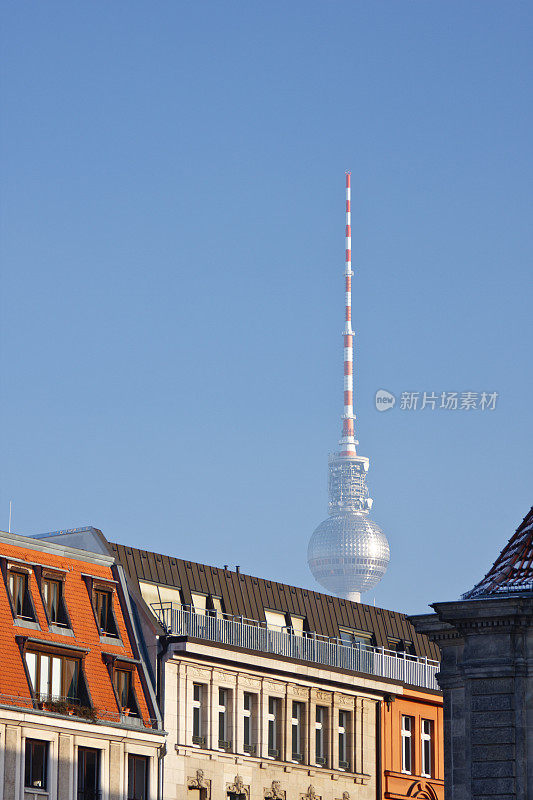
[(172, 292)]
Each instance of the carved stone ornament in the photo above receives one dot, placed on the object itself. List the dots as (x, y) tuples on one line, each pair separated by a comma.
[(270, 686), (199, 782), (254, 683), (323, 696), (275, 792), (198, 673), (238, 787), (299, 691), (310, 794), (344, 700)]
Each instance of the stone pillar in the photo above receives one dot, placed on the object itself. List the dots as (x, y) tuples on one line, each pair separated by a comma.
[(116, 771), (262, 723), (65, 767), (12, 761)]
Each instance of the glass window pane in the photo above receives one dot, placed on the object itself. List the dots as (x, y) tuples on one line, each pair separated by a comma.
[(56, 678), (31, 663), (70, 680), (44, 676)]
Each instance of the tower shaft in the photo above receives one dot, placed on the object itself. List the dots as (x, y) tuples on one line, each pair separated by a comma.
[(348, 442)]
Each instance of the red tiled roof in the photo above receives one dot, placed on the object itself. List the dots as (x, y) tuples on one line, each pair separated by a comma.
[(512, 571), (13, 681)]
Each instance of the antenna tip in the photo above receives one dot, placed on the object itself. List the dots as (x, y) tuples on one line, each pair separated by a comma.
[(347, 171)]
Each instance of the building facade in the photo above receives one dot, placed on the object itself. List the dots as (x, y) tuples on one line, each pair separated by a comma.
[(271, 691), (486, 642), (78, 717)]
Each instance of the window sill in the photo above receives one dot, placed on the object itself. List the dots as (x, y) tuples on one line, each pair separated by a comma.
[(60, 630), (116, 640), (26, 623)]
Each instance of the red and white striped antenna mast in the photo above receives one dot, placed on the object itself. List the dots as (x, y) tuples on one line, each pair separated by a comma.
[(348, 442)]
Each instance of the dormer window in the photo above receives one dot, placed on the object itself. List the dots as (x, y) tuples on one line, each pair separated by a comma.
[(103, 609), (123, 683), (20, 595), (52, 591)]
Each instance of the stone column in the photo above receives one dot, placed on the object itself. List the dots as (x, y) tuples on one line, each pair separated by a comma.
[(12, 761), (65, 767), (262, 723), (116, 771), (357, 736)]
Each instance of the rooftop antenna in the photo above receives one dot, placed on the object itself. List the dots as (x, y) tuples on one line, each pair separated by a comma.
[(9, 528)]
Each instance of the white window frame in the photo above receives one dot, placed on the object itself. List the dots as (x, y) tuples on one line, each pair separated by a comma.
[(407, 743), (224, 711), (297, 720), (426, 736), (321, 728), (199, 603), (342, 730), (198, 705), (274, 721), (248, 714)]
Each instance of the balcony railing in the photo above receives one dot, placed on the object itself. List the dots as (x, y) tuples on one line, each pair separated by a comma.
[(254, 635)]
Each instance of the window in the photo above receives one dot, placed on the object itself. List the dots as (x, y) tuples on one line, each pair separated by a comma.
[(426, 735), (320, 735), (123, 682), (249, 702), (53, 677), (298, 711), (103, 608), (20, 595), (36, 764), (275, 620), (216, 609), (54, 603), (88, 774), (158, 597), (407, 745), (198, 602), (297, 624), (224, 742), (355, 637), (344, 727), (198, 694), (274, 727), (137, 777)]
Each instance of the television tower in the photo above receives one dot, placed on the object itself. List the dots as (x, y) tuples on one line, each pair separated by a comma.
[(348, 553)]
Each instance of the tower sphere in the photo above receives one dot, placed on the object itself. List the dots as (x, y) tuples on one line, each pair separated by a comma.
[(348, 554)]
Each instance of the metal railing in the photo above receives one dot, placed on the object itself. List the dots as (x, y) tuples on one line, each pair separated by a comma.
[(254, 635)]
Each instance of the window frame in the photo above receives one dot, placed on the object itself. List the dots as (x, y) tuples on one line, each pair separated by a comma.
[(275, 732), (19, 572), (46, 579), (407, 743), (321, 729), (426, 738), (248, 730), (133, 707), (343, 730), (28, 762), (133, 758), (35, 684), (98, 590), (198, 705), (224, 719), (298, 731), (98, 769)]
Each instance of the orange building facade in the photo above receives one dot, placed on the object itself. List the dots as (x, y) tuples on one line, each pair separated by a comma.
[(78, 716), (412, 754)]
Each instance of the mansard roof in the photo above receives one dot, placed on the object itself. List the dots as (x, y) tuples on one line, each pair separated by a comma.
[(512, 572), (79, 574), (248, 596)]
